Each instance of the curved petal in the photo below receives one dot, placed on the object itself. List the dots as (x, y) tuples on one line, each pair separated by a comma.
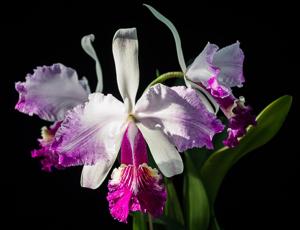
[(92, 176), (202, 68), (164, 153), (180, 114), (51, 91), (174, 32), (91, 133), (230, 61), (125, 51), (86, 43)]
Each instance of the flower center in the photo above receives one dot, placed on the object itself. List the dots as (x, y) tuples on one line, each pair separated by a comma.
[(131, 118)]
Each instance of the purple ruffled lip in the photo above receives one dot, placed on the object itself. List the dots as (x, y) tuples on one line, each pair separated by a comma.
[(238, 123), (135, 186)]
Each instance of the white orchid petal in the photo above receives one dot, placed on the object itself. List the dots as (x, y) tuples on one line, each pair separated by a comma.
[(90, 133), (180, 114), (164, 153), (92, 176), (125, 51)]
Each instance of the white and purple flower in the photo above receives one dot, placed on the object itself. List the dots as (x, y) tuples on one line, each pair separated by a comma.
[(49, 93), (214, 72), (168, 119)]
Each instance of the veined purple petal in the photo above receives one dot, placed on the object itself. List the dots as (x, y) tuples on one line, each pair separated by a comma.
[(91, 133), (135, 189), (51, 91), (48, 157), (180, 114)]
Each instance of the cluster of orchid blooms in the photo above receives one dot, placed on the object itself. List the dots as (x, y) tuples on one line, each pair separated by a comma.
[(90, 129)]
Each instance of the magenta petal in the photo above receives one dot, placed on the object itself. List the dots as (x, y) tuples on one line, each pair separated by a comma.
[(133, 138), (51, 91), (180, 114), (141, 191), (238, 123), (216, 89), (47, 156)]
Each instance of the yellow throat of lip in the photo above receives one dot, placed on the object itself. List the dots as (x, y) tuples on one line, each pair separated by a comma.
[(131, 118), (46, 134)]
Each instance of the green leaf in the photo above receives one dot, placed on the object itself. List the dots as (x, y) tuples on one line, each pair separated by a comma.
[(172, 208), (269, 121), (197, 205), (139, 221)]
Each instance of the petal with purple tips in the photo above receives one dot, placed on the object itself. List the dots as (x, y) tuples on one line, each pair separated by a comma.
[(92, 132), (179, 113), (51, 91)]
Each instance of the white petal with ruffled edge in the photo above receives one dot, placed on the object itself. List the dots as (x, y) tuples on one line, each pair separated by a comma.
[(92, 176), (179, 113), (91, 133)]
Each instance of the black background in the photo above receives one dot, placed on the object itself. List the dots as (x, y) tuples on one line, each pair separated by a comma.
[(258, 193)]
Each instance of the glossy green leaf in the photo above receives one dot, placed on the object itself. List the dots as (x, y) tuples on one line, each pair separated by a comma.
[(197, 205), (269, 121), (172, 208), (139, 221)]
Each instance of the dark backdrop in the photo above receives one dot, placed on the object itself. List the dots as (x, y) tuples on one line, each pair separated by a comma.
[(258, 193)]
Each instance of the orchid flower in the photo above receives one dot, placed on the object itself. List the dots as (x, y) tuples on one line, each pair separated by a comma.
[(49, 93), (164, 117), (214, 72)]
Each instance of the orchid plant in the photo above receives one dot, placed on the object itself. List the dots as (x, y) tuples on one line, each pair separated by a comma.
[(90, 129)]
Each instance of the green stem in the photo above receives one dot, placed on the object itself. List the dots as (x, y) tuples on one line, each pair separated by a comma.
[(166, 76), (150, 222)]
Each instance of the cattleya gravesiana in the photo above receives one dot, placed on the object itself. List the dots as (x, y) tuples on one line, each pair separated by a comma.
[(91, 129), (168, 119)]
